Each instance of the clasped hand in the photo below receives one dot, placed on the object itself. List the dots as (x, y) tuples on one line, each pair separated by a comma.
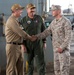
[(33, 38)]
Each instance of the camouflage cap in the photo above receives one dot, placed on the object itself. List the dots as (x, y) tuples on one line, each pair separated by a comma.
[(16, 7), (55, 7), (30, 6)]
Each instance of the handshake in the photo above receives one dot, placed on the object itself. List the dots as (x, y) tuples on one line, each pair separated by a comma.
[(33, 38)]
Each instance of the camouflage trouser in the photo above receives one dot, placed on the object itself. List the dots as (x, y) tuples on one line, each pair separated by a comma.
[(62, 63)]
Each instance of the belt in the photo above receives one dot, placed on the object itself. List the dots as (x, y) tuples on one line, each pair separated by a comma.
[(14, 43)]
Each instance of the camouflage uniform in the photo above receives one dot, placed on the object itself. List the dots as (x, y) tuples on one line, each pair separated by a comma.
[(61, 34)]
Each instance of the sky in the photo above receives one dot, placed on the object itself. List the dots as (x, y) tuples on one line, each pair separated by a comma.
[(63, 3)]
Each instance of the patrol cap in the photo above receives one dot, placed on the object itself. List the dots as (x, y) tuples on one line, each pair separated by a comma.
[(31, 6), (55, 7), (16, 7)]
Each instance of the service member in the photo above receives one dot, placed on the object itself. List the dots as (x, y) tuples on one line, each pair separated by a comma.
[(14, 36), (33, 24), (60, 28)]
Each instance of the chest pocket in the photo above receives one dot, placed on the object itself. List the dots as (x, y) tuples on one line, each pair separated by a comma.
[(32, 26)]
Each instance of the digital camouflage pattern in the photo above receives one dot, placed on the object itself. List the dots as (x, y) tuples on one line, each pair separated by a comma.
[(61, 34)]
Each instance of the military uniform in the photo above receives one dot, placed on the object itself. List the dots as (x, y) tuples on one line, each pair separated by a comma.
[(14, 35), (61, 34), (34, 49)]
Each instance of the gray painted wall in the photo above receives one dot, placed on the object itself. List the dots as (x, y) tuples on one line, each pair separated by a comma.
[(2, 52), (5, 6)]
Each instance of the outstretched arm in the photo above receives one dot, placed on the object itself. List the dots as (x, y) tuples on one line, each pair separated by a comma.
[(44, 34)]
